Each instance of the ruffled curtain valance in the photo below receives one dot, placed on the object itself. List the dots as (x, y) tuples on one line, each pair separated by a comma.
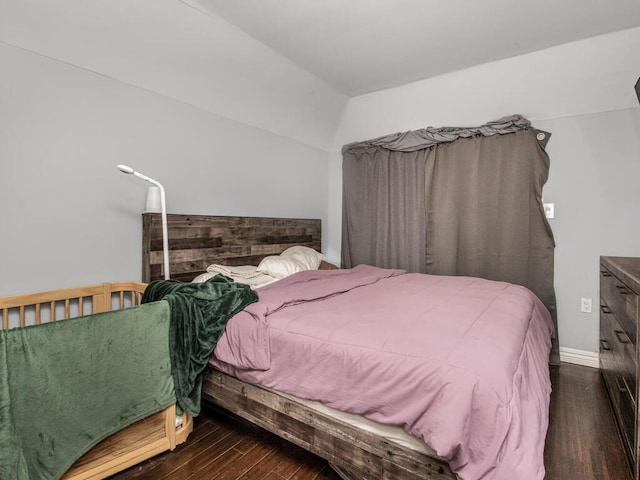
[(427, 137)]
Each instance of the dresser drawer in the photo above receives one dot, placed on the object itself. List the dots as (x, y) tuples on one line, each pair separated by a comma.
[(617, 353), (621, 301), (626, 411), (618, 371)]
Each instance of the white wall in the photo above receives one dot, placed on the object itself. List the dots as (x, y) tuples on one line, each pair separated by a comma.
[(170, 48), (595, 156), (228, 126), (593, 181), (70, 218), (589, 76)]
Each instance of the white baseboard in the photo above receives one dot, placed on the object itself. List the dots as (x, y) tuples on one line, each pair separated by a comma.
[(579, 357)]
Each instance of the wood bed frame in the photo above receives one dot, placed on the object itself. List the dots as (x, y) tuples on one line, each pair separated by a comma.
[(196, 241), (135, 443)]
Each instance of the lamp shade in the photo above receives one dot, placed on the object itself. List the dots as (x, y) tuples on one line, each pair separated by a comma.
[(154, 203)]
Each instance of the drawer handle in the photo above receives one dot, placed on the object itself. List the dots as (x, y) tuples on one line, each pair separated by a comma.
[(605, 309), (622, 337), (605, 273), (622, 290), (621, 384), (604, 345)]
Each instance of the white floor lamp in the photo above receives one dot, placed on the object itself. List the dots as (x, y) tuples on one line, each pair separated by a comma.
[(163, 209)]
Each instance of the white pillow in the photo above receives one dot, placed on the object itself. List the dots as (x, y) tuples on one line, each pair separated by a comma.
[(292, 260), (305, 255), (280, 267)]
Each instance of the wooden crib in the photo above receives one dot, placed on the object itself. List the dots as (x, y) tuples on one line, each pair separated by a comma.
[(142, 440)]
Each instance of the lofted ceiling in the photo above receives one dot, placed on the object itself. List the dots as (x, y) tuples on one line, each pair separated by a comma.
[(361, 46)]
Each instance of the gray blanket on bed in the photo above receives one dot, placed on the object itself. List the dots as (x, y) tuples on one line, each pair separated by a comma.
[(65, 386)]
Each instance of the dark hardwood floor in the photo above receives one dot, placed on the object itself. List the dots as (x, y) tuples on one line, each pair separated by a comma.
[(582, 443), (221, 447)]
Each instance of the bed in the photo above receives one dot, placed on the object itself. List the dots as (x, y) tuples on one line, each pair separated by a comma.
[(150, 436), (358, 441)]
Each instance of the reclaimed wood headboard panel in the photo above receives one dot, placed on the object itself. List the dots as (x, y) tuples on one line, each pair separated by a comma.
[(197, 241)]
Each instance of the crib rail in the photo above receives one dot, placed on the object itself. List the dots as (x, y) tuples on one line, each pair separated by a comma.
[(50, 306)]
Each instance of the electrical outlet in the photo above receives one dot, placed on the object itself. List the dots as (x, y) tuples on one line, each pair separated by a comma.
[(585, 305)]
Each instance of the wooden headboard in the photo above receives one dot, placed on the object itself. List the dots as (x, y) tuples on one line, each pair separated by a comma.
[(197, 241)]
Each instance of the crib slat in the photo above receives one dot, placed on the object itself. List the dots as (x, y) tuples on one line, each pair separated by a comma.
[(29, 309)]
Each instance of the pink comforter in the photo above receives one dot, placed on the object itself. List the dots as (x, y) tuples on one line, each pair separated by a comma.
[(457, 361)]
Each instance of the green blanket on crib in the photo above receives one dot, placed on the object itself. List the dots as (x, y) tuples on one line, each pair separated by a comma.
[(67, 385)]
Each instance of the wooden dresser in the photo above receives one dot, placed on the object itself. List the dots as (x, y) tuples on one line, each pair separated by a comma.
[(619, 289)]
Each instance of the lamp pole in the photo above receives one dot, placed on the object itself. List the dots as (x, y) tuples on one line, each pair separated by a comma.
[(163, 208)]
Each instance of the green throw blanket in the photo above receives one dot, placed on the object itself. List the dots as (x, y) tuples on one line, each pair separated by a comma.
[(199, 314), (65, 386)]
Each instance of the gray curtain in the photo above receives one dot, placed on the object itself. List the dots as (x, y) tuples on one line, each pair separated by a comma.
[(478, 213), (383, 209)]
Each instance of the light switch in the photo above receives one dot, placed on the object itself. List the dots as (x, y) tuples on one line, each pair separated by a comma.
[(548, 210)]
